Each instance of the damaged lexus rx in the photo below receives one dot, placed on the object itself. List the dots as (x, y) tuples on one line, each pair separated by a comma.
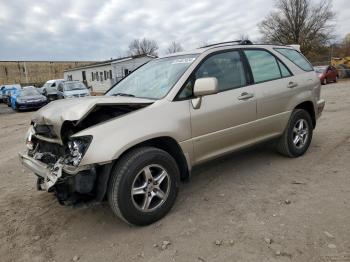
[(134, 145)]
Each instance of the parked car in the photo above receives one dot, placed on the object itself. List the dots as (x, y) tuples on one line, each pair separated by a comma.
[(49, 89), (71, 89), (40, 90), (27, 98), (327, 74), (12, 95), (1, 88), (133, 145), (7, 90)]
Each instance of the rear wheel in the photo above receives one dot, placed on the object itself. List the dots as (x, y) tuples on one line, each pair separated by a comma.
[(297, 137), (143, 185)]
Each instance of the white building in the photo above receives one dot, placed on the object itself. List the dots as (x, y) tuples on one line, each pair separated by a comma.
[(101, 76)]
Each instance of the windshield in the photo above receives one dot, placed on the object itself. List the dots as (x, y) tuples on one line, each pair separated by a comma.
[(74, 86), (320, 69), (29, 92), (154, 79)]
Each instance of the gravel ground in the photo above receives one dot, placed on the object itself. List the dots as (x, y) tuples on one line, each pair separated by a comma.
[(250, 206)]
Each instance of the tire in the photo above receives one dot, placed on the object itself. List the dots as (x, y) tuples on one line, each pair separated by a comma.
[(324, 81), (130, 172), (286, 145), (336, 79)]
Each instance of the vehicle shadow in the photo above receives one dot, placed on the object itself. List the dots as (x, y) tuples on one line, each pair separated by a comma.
[(231, 167)]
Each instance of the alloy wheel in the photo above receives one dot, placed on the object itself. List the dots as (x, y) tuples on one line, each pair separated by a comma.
[(150, 188), (300, 133)]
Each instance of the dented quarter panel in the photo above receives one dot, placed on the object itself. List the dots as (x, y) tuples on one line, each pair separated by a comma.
[(112, 138)]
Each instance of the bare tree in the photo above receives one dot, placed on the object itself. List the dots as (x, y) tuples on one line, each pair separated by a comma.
[(243, 37), (299, 22), (345, 46), (143, 46), (174, 47)]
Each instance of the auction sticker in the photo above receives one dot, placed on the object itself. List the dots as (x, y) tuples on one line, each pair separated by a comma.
[(183, 61)]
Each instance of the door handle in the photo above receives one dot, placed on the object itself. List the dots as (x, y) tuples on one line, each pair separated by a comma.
[(245, 96), (292, 85)]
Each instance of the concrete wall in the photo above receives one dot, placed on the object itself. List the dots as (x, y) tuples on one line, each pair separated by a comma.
[(34, 72)]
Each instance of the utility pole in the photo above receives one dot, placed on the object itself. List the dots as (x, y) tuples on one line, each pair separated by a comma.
[(331, 53)]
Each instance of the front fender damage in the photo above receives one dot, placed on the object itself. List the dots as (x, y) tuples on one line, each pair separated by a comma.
[(49, 153)]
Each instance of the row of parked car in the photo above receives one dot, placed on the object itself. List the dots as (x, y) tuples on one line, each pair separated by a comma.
[(31, 97)]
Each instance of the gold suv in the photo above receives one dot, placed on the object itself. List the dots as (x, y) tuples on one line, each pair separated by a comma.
[(133, 145)]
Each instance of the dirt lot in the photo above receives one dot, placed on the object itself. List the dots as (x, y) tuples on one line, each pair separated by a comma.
[(250, 206)]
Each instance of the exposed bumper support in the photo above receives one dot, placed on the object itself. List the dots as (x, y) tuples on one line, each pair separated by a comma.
[(49, 174)]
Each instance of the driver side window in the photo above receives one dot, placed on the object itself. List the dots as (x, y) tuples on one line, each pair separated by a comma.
[(228, 69)]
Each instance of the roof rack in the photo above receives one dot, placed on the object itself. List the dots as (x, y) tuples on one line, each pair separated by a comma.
[(238, 42)]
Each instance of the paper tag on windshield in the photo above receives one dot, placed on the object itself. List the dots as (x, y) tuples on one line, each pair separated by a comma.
[(183, 61)]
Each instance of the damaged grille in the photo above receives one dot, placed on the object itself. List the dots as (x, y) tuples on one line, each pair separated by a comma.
[(48, 153)]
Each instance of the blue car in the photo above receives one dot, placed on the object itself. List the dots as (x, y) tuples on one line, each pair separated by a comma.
[(6, 92), (27, 98)]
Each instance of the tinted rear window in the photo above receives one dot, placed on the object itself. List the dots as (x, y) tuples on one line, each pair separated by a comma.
[(263, 64), (296, 57)]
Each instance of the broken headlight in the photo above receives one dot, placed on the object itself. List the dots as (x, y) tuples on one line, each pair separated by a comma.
[(29, 139), (77, 147)]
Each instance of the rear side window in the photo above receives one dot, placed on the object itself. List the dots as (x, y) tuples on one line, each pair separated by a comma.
[(263, 64), (284, 71), (296, 57)]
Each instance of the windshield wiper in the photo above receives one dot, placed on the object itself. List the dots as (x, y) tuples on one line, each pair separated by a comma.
[(123, 94)]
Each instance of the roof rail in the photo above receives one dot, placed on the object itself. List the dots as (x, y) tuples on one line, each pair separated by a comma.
[(237, 42)]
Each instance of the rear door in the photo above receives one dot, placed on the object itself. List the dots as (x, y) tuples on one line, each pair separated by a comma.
[(275, 86)]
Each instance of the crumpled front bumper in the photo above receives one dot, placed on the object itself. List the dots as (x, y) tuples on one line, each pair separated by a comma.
[(50, 175)]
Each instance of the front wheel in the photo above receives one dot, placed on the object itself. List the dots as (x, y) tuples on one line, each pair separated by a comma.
[(297, 137), (143, 185)]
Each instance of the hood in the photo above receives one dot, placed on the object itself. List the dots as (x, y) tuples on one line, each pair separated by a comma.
[(33, 97), (76, 92), (77, 110)]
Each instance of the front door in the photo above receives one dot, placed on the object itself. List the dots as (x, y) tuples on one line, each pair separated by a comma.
[(222, 122)]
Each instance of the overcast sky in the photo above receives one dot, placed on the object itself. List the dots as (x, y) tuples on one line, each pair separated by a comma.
[(101, 29)]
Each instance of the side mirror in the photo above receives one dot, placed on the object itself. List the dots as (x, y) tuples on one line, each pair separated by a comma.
[(205, 86)]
